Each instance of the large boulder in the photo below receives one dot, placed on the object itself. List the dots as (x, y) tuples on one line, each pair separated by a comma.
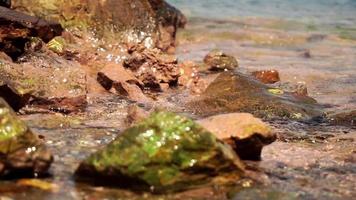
[(165, 152), (235, 92), (153, 21), (21, 151)]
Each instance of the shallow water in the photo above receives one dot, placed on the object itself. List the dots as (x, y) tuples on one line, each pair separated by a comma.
[(308, 161)]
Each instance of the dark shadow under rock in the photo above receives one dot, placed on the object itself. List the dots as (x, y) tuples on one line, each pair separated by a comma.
[(17, 28)]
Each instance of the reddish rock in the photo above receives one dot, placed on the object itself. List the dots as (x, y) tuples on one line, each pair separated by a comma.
[(120, 81), (152, 67), (153, 22), (135, 114), (246, 134), (45, 81), (17, 28), (189, 77), (267, 76)]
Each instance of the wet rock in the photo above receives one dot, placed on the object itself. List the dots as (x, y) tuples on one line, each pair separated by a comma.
[(235, 92), (246, 134), (47, 81), (298, 89), (21, 152), (267, 76), (165, 152), (153, 22), (189, 77), (4, 56), (218, 60), (120, 81), (14, 97), (135, 114), (152, 67), (170, 19), (345, 117), (17, 28)]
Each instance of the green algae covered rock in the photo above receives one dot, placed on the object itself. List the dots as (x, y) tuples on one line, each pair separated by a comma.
[(165, 152), (21, 152)]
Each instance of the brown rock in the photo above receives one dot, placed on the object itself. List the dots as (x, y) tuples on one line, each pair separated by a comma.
[(152, 67), (343, 117), (154, 22), (245, 133), (219, 61), (120, 81), (135, 114), (189, 77), (16, 29), (267, 76), (44, 80)]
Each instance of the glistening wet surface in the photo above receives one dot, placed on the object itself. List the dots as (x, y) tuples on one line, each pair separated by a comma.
[(309, 160)]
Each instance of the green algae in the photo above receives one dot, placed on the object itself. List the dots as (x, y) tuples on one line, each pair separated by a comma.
[(10, 126), (57, 45), (165, 152)]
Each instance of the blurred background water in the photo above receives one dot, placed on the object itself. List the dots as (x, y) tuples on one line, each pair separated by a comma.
[(309, 41), (326, 12)]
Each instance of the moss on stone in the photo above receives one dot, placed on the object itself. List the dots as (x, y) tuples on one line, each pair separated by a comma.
[(167, 152)]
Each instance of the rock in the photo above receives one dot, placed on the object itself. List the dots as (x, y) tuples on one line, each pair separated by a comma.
[(170, 19), (120, 81), (235, 92), (5, 3), (135, 114), (343, 117), (46, 81), (267, 76), (153, 22), (17, 28), (246, 134), (152, 67), (190, 78), (166, 152), (218, 60), (21, 152), (298, 89)]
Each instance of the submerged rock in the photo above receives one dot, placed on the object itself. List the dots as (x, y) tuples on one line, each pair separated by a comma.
[(17, 28), (267, 76), (246, 134), (235, 92), (165, 152), (218, 60), (152, 67), (345, 118), (21, 152), (154, 22), (47, 81)]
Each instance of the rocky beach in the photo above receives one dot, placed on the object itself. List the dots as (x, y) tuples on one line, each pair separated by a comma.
[(154, 99)]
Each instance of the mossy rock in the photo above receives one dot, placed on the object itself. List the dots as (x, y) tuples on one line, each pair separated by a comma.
[(21, 152), (236, 92), (165, 152)]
